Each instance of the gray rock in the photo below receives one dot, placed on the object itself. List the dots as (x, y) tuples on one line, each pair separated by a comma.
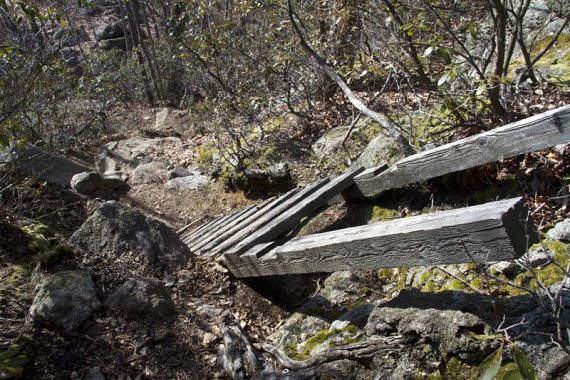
[(70, 56), (87, 183), (115, 229), (41, 164), (329, 142), (134, 151), (174, 122), (153, 172), (178, 172), (120, 43), (105, 164), (110, 31), (70, 37), (191, 182), (93, 182), (561, 231), (140, 299), (532, 259), (65, 300), (446, 329), (381, 150)]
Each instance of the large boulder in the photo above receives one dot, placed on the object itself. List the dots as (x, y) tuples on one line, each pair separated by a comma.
[(65, 300), (44, 165), (116, 229), (140, 299)]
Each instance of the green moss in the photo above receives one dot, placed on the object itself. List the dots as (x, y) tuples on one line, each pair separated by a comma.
[(425, 276), (477, 283), (429, 286), (381, 214), (454, 284), (311, 343), (456, 369), (13, 358), (205, 155), (36, 234), (55, 255)]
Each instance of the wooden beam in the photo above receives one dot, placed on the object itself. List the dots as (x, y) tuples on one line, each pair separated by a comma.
[(188, 235), (244, 222), (207, 229), (287, 220), (259, 222), (490, 232), (214, 229), (534, 133), (238, 218)]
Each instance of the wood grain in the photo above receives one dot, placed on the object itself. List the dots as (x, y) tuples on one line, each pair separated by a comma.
[(264, 219), (285, 221), (233, 229), (491, 232), (534, 133)]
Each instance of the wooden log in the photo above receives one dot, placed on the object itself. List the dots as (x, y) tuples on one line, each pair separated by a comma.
[(191, 234), (490, 232), (287, 220), (236, 228), (213, 230), (259, 222), (534, 133)]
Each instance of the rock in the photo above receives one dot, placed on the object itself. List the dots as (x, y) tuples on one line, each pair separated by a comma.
[(120, 43), (65, 300), (171, 121), (110, 31), (94, 373), (561, 231), (447, 329), (329, 142), (105, 164), (178, 172), (134, 151), (116, 229), (381, 150), (41, 164), (191, 182), (70, 37), (276, 178), (532, 259), (93, 182), (153, 172), (140, 299), (87, 182)]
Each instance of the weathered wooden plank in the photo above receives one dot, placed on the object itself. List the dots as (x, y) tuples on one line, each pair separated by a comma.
[(527, 135), (287, 220), (187, 228), (485, 233), (259, 222), (191, 234), (216, 223), (211, 248), (229, 224), (213, 230)]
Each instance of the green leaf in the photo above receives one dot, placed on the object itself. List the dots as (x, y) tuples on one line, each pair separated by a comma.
[(525, 367), (513, 374), (491, 365)]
